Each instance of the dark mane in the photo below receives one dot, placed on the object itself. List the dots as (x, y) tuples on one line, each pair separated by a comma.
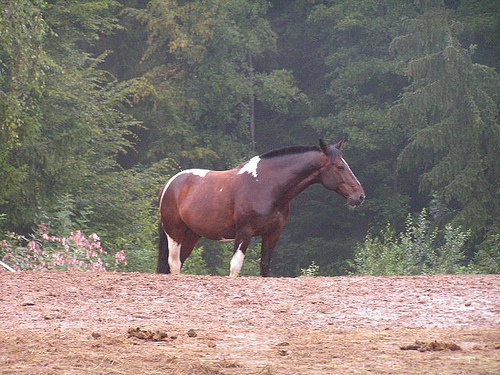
[(288, 151)]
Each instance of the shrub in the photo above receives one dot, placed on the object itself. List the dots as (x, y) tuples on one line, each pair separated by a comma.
[(312, 270), (487, 259), (47, 252), (416, 251)]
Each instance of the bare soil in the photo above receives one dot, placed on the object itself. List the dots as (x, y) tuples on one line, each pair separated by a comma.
[(117, 323)]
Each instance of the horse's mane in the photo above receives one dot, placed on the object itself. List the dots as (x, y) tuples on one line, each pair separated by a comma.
[(288, 151)]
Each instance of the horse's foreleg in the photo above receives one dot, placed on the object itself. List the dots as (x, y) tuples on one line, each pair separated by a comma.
[(268, 244), (240, 248)]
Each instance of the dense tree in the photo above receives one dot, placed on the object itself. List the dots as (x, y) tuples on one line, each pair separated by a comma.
[(351, 78), (205, 80), (61, 124), (451, 111), (23, 67)]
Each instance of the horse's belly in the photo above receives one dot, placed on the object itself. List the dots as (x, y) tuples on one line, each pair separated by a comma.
[(212, 221), (214, 231)]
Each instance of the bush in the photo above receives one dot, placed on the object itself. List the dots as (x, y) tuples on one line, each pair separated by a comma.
[(487, 259), (312, 270), (45, 252), (418, 250), (195, 264)]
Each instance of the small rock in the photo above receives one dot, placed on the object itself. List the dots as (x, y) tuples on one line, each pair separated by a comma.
[(96, 335), (192, 333)]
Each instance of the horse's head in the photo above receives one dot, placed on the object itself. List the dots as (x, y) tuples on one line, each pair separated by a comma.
[(336, 175)]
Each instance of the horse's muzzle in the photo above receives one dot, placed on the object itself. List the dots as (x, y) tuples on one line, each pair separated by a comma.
[(356, 201)]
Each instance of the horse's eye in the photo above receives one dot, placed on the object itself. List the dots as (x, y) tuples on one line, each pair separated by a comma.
[(340, 167)]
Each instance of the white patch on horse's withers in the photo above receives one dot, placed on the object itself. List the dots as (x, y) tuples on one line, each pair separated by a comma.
[(251, 167), (196, 172), (236, 263), (174, 255)]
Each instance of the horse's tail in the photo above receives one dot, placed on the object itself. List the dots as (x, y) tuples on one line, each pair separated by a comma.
[(162, 266)]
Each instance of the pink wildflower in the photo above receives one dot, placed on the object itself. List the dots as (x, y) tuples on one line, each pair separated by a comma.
[(120, 257), (32, 245)]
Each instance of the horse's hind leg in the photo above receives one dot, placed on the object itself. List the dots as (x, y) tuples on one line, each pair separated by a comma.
[(188, 243), (174, 255), (179, 251)]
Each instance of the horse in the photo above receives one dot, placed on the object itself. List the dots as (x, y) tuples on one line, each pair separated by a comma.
[(250, 200)]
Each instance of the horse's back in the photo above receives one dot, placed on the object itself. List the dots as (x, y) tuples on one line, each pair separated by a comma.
[(203, 201)]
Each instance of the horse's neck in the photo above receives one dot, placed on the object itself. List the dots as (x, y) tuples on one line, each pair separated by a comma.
[(299, 172)]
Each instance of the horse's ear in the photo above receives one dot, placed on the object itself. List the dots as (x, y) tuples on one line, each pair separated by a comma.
[(324, 147), (339, 145)]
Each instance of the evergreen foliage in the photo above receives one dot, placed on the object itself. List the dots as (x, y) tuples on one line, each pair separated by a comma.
[(451, 108)]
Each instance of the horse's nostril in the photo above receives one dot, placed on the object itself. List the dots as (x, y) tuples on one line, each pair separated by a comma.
[(361, 198)]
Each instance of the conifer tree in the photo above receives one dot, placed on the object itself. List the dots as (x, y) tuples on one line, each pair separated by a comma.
[(450, 109), (205, 78)]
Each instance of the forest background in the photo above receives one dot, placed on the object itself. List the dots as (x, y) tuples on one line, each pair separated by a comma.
[(102, 101)]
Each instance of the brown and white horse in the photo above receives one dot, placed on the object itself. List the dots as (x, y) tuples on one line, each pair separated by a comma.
[(250, 200)]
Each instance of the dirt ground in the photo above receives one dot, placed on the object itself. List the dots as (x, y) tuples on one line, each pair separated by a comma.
[(117, 323)]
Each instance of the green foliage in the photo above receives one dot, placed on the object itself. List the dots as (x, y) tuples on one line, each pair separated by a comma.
[(23, 67), (213, 258), (124, 211), (487, 259), (481, 27), (312, 270), (195, 264), (451, 114), (416, 251), (205, 86), (81, 21)]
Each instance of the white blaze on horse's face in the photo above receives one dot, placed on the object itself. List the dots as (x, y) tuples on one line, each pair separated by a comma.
[(251, 167), (349, 169)]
